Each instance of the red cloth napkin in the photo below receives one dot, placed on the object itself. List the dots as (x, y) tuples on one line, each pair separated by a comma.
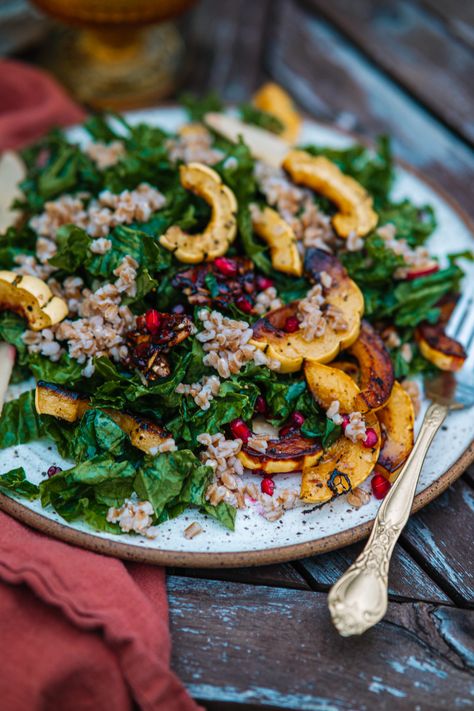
[(78, 631)]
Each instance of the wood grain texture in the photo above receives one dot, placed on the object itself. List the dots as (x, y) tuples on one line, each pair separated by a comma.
[(284, 576), (224, 43), (440, 538), (259, 647), (407, 580), (414, 47), (458, 16), (334, 81)]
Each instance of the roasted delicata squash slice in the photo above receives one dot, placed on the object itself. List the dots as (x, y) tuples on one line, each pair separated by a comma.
[(356, 213), (281, 239), (222, 228), (31, 298), (351, 369), (376, 369), (274, 100), (345, 464), (68, 405), (290, 349), (289, 453), (397, 422), (437, 347)]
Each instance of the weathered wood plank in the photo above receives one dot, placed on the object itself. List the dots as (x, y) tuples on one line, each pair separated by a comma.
[(334, 81), (458, 16), (407, 580), (416, 50), (224, 43), (283, 576), (439, 537), (255, 647)]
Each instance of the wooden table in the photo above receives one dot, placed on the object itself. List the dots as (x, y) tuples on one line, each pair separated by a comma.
[(261, 638)]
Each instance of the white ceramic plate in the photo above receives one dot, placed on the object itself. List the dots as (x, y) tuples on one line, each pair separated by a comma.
[(302, 531)]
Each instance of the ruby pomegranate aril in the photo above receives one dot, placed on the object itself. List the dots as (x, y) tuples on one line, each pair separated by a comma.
[(244, 304), (227, 267), (286, 429), (260, 405), (267, 486), (371, 438), (380, 486), (297, 418), (240, 430), (53, 470), (345, 421), (291, 324), (264, 283), (152, 320)]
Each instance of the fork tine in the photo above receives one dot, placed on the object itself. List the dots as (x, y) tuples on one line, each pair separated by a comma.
[(466, 329), (469, 362), (464, 306)]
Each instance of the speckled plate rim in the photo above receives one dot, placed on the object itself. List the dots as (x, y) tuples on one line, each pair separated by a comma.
[(265, 556)]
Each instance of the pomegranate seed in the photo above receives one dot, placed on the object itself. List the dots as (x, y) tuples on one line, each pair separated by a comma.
[(260, 405), (240, 430), (345, 421), (291, 324), (286, 429), (380, 486), (227, 267), (152, 320), (297, 418), (417, 273), (267, 486), (264, 283), (371, 438), (244, 304), (53, 470)]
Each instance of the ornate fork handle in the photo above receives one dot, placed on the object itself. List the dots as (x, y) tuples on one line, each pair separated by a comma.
[(359, 598)]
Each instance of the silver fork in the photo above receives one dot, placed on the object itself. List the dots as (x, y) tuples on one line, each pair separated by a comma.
[(359, 599)]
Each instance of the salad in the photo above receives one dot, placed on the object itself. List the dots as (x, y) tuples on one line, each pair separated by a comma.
[(190, 323)]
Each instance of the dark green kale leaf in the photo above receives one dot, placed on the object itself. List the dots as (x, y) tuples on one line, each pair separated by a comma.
[(16, 482), (414, 224), (96, 434), (161, 479), (73, 249), (176, 480), (12, 328), (15, 241), (237, 171), (198, 107), (55, 166), (416, 300), (20, 423), (65, 371), (100, 128), (87, 490), (129, 241), (235, 399), (263, 119), (373, 265)]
